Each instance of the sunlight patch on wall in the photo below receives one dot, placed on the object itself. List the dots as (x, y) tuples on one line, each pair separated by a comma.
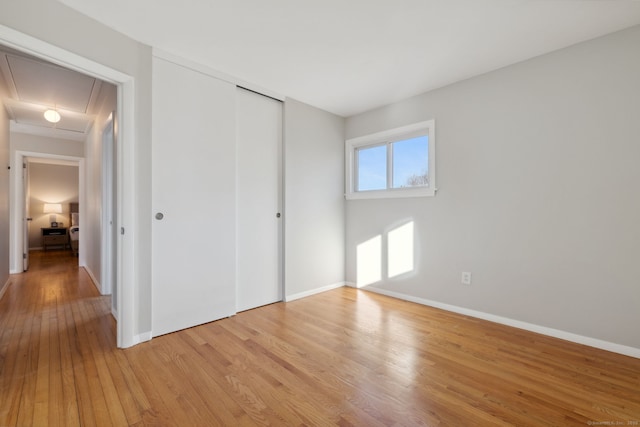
[(400, 250), (389, 255), (369, 261)]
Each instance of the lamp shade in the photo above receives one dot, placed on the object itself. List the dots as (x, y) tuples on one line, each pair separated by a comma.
[(52, 208)]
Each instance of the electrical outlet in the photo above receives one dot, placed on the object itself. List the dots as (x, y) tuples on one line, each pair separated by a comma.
[(466, 278)]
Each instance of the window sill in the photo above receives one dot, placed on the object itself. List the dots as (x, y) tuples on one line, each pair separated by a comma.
[(397, 193)]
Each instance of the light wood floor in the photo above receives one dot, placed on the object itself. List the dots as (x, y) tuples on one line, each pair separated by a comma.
[(343, 357)]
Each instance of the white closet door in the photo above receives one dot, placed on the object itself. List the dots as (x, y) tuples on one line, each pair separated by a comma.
[(193, 198), (259, 183)]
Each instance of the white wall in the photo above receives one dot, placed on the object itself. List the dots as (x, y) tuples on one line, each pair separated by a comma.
[(63, 27), (50, 184), (45, 145), (314, 199), (537, 168)]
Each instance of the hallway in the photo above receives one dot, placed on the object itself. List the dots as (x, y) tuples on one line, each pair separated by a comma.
[(53, 323)]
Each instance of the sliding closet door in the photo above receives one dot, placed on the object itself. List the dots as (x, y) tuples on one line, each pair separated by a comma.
[(259, 183), (193, 191)]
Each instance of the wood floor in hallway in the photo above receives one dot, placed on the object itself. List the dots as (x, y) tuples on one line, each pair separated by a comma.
[(344, 357)]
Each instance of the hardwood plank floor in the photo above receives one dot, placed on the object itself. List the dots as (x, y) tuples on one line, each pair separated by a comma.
[(343, 357)]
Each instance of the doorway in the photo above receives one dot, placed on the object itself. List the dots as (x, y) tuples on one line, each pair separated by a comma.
[(125, 96), (49, 185), (81, 105)]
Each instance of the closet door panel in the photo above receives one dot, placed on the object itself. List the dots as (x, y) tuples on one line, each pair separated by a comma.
[(259, 183), (193, 198)]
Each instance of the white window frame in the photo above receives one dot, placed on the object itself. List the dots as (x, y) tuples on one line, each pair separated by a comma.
[(427, 127)]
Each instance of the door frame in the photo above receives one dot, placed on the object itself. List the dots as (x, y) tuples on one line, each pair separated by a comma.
[(18, 199), (126, 176)]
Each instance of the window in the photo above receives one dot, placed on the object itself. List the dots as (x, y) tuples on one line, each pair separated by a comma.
[(395, 163)]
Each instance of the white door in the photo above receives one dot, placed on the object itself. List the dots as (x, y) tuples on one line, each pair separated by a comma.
[(259, 184), (109, 253), (27, 215), (193, 198)]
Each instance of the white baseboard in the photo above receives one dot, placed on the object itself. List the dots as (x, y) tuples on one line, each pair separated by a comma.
[(556, 333), (293, 297), (95, 281), (140, 338), (114, 313), (4, 288)]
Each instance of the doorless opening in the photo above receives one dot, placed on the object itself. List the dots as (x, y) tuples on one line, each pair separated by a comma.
[(124, 267)]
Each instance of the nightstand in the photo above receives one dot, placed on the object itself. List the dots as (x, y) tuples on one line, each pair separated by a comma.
[(54, 236)]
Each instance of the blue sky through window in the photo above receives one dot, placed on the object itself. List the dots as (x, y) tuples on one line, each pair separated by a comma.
[(372, 168), (410, 164)]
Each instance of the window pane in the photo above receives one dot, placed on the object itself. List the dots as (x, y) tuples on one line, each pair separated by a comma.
[(372, 168), (411, 162)]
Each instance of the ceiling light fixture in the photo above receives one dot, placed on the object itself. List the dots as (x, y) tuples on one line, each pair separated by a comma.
[(52, 116)]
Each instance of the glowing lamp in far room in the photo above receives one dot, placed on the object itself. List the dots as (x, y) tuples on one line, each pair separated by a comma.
[(53, 208)]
